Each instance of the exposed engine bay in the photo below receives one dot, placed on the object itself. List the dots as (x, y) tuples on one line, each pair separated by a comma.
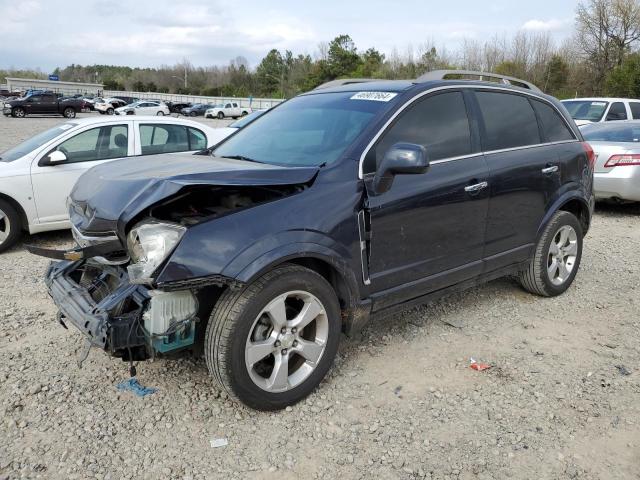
[(206, 202)]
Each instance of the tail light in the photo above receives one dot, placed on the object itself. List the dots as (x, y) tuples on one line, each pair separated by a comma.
[(591, 156), (621, 160)]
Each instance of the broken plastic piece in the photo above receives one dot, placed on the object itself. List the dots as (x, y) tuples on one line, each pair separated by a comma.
[(479, 366), (132, 385), (218, 442)]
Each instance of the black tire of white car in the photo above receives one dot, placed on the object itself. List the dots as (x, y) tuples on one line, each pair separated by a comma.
[(110, 111), (9, 221), (220, 116), (536, 279), (69, 112), (235, 317)]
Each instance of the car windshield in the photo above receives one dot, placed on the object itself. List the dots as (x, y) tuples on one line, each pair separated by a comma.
[(248, 119), (34, 142), (612, 132), (586, 109), (309, 130)]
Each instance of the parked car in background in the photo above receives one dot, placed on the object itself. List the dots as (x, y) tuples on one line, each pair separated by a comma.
[(176, 107), (43, 104), (37, 175), (593, 110), (617, 167), (195, 110), (127, 99), (340, 203), (232, 128), (108, 105), (143, 107), (223, 110)]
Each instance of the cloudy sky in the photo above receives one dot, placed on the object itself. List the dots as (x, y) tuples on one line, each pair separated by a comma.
[(50, 33)]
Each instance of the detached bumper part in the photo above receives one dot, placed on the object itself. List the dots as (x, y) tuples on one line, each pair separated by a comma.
[(112, 313)]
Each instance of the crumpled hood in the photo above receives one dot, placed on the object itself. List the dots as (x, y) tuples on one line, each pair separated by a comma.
[(108, 196)]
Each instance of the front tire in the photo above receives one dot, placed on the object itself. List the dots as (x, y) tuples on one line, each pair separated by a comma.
[(110, 111), (18, 112), (557, 257), (69, 113), (220, 116), (160, 114), (10, 226), (270, 344)]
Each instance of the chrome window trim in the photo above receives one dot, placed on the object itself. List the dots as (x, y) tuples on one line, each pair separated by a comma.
[(409, 102)]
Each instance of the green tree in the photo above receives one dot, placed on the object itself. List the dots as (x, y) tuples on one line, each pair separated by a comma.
[(271, 73), (624, 80), (343, 58), (556, 76)]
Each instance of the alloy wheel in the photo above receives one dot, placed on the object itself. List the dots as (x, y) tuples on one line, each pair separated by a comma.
[(5, 227), (286, 341), (562, 255)]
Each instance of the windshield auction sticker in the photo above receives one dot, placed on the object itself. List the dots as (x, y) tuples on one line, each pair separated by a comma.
[(374, 96)]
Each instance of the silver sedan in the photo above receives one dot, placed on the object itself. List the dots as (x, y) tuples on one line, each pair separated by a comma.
[(617, 149)]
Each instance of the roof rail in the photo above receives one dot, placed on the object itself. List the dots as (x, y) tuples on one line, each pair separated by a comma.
[(442, 74), (344, 81)]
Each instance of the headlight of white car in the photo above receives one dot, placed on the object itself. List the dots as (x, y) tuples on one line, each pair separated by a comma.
[(149, 243)]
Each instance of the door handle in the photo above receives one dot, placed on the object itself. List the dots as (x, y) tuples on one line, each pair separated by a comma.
[(551, 169), (476, 187)]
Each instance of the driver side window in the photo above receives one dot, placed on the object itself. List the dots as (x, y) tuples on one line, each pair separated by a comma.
[(439, 123)]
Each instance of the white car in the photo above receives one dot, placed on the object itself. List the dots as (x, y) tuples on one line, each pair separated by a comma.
[(37, 176), (108, 105), (232, 109), (144, 107), (594, 110)]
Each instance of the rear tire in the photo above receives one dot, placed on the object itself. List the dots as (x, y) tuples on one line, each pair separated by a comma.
[(192, 114), (18, 112), (69, 113), (556, 259), (160, 114), (10, 226), (244, 320)]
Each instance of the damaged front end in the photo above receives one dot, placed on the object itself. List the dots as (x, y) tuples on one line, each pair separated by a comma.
[(128, 223), (127, 320)]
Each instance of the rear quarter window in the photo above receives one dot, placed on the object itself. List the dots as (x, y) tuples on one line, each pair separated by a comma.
[(509, 120), (553, 126), (635, 110)]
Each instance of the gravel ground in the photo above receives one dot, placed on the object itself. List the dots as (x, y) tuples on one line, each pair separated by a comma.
[(561, 400)]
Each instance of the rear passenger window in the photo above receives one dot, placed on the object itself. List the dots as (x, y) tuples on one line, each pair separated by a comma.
[(553, 127), (439, 123), (617, 112), (509, 121), (635, 110), (161, 138)]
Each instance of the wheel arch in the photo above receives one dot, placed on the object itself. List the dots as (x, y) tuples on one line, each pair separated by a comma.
[(327, 264), (571, 202)]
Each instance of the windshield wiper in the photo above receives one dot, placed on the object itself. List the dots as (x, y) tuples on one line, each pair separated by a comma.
[(242, 157)]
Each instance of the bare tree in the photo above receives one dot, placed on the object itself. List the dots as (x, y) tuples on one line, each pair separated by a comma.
[(605, 31)]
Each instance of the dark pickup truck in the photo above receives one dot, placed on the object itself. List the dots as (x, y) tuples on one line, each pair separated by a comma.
[(44, 103)]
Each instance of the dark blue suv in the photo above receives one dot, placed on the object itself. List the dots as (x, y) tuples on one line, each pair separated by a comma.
[(350, 200)]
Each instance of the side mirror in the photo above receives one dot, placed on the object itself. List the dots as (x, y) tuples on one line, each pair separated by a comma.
[(401, 158), (56, 157)]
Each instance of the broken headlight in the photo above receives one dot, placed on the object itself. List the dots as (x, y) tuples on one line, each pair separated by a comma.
[(149, 243)]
